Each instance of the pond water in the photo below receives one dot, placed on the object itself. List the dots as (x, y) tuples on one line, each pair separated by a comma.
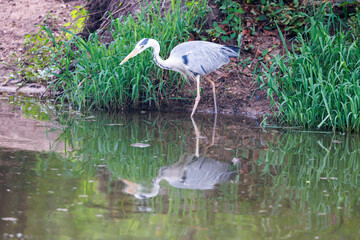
[(164, 176)]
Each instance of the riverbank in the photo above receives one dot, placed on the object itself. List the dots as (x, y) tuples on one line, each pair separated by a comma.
[(90, 77), (237, 92)]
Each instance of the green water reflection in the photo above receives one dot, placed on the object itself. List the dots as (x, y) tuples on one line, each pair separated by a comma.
[(233, 180)]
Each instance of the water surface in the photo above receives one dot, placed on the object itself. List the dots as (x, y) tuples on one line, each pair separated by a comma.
[(163, 176)]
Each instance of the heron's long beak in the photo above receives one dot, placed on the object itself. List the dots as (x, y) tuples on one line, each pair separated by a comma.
[(131, 188), (132, 54)]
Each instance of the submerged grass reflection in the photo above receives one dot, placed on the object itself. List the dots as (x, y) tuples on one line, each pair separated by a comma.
[(107, 141), (293, 184), (316, 172), (298, 163)]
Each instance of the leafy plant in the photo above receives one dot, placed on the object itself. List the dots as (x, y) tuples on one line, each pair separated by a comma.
[(293, 16), (35, 63), (77, 24), (353, 23), (231, 23)]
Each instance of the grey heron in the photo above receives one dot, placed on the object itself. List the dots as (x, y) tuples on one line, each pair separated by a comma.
[(190, 172), (192, 59)]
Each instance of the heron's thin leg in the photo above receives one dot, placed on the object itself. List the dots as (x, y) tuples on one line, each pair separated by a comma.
[(213, 132), (213, 135), (214, 94), (197, 136), (197, 99)]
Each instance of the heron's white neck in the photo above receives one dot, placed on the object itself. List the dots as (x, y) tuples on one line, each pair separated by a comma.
[(165, 64), (154, 191)]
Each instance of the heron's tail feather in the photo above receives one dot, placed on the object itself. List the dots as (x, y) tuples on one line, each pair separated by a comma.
[(231, 51)]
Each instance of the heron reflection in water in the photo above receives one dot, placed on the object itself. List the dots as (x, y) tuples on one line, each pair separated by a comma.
[(190, 172)]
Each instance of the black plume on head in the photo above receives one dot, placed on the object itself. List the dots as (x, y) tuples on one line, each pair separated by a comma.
[(144, 42)]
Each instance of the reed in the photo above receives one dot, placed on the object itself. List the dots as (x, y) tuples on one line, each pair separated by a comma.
[(99, 82), (316, 85)]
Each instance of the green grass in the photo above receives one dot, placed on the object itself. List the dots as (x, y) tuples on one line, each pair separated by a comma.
[(316, 85), (99, 82)]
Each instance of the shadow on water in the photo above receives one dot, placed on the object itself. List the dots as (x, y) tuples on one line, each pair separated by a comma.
[(183, 179)]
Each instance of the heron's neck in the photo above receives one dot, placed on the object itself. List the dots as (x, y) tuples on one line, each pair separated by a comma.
[(153, 192), (165, 64)]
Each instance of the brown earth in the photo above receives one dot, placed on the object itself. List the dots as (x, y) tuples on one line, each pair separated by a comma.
[(237, 92), (19, 18)]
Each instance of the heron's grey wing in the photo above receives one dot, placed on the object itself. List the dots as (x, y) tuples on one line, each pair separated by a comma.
[(203, 173), (202, 57)]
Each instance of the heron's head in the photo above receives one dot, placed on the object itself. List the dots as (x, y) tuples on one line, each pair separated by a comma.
[(139, 47)]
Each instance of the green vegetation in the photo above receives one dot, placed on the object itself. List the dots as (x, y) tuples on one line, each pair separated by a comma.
[(314, 85), (78, 16), (35, 64), (293, 16), (231, 23), (99, 82), (317, 84)]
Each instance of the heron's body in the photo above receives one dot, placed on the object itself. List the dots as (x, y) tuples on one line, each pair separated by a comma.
[(192, 59), (190, 172)]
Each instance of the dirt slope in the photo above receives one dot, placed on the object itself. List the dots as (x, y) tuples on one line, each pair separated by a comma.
[(19, 18)]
